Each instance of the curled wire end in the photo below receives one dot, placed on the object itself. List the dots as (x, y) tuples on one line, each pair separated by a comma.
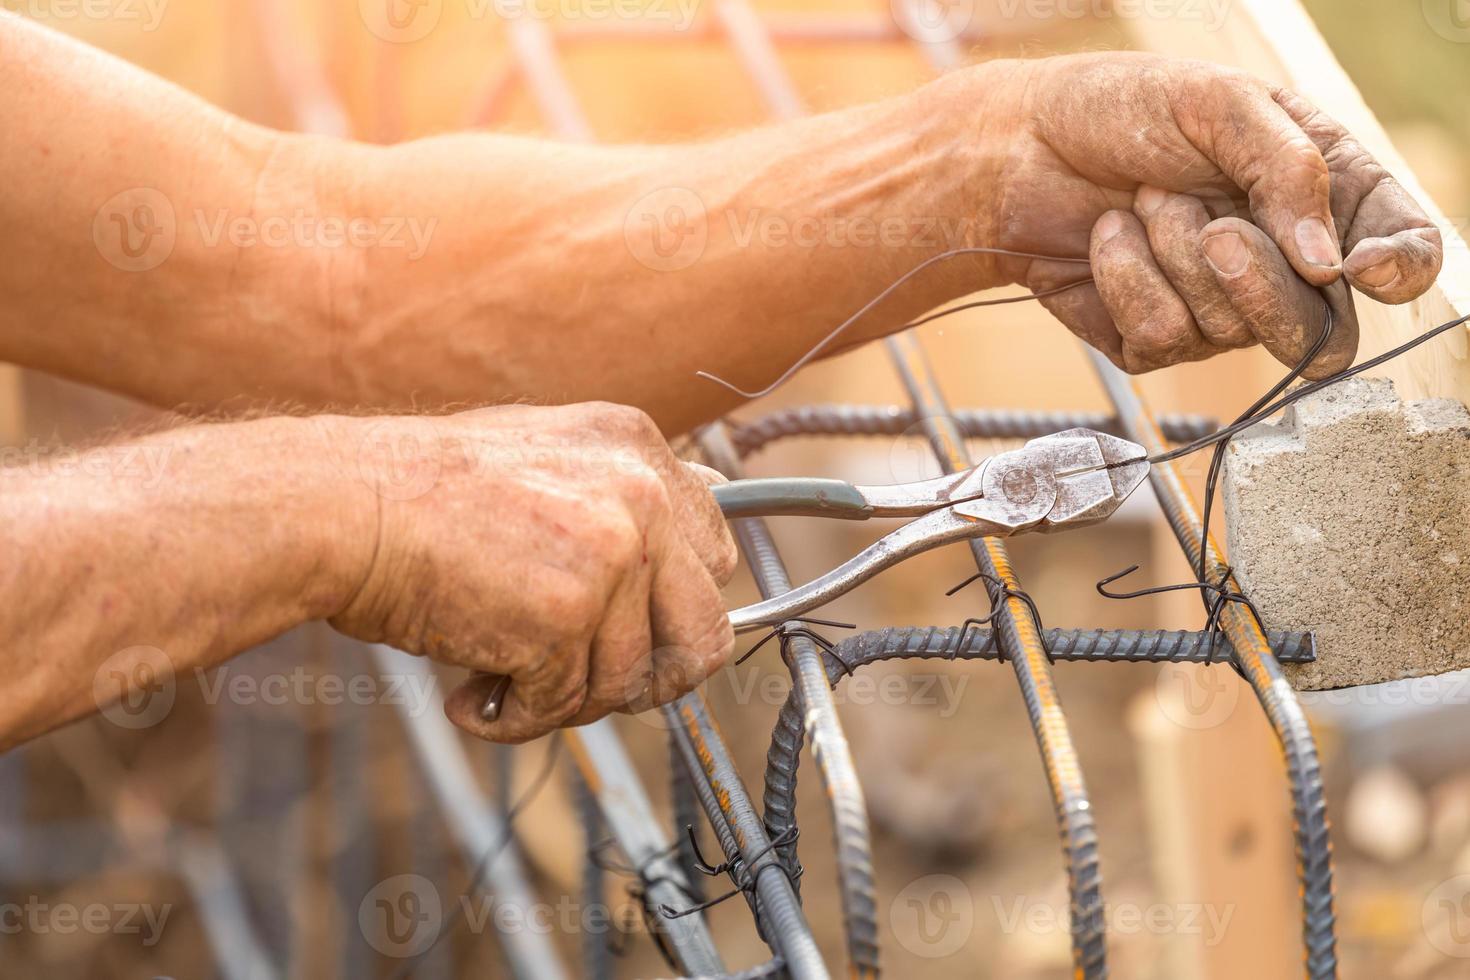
[(1104, 582), (741, 391), (737, 868)]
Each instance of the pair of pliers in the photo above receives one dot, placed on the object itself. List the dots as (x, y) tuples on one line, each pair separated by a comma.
[(1065, 480)]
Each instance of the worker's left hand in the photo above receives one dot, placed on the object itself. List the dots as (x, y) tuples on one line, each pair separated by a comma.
[(1213, 207)]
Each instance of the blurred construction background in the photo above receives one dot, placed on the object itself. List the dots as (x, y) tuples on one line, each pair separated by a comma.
[(284, 812)]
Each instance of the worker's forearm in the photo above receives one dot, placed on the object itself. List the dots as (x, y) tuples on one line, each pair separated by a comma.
[(469, 268), (198, 543), (573, 273), (117, 265)]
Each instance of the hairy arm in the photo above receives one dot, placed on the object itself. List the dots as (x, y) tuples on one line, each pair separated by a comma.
[(164, 248), (164, 554), (566, 547)]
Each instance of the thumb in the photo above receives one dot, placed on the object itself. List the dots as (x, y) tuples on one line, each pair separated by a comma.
[(1263, 150)]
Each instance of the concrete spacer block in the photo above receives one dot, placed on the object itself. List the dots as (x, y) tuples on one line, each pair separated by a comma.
[(1351, 517)]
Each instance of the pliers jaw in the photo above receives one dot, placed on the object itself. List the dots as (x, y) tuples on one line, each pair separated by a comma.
[(1065, 480)]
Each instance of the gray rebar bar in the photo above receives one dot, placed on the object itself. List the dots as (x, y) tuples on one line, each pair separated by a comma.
[(1020, 639), (761, 874), (960, 643), (629, 817), (974, 423), (1263, 672), (685, 806), (820, 724), (471, 819)]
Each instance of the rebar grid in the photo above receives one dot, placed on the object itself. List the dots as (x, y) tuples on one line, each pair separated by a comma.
[(1020, 639), (1018, 634), (696, 741), (897, 420), (1261, 669)]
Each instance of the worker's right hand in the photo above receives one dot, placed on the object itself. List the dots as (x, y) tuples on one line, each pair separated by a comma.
[(1216, 211), (565, 547)]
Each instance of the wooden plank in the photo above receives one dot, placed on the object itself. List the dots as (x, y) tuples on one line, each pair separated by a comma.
[(1219, 827), (1277, 40)]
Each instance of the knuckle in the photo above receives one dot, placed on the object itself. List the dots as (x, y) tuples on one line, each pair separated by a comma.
[(629, 421), (571, 607), (613, 538), (641, 487), (726, 557), (1161, 336)]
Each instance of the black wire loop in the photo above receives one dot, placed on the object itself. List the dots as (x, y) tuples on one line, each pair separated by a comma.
[(738, 868), (999, 592)]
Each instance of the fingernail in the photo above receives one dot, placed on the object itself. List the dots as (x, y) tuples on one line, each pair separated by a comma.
[(1150, 199), (1316, 243), (1226, 253), (1109, 225), (1381, 274)]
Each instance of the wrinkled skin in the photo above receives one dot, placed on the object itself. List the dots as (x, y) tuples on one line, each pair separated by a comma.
[(1217, 211), (566, 547), (1214, 211)]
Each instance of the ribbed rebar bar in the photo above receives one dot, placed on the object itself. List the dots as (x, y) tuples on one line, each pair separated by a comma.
[(819, 723), (1088, 646), (1263, 672), (685, 806), (628, 814), (769, 970), (973, 423), (596, 955), (950, 643), (760, 873), (1020, 639)]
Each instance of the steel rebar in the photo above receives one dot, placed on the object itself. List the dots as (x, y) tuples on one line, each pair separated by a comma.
[(1254, 658), (1020, 639), (896, 420), (820, 724), (760, 874)]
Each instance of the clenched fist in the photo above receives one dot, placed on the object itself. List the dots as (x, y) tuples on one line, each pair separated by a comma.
[(565, 547), (1217, 211)]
